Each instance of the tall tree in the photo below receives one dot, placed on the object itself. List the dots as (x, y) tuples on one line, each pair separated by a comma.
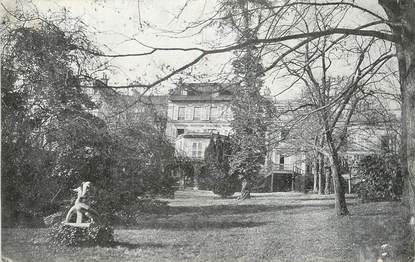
[(334, 100), (48, 131), (248, 105)]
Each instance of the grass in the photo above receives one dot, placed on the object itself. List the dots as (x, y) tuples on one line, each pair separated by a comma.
[(269, 227)]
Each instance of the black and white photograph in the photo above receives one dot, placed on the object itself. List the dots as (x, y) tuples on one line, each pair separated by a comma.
[(207, 130)]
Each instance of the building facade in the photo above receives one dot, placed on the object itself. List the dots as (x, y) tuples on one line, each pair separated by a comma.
[(195, 112)]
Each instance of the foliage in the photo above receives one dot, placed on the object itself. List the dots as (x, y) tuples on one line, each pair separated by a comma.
[(380, 178), (95, 234), (217, 176), (143, 156), (50, 135), (250, 109)]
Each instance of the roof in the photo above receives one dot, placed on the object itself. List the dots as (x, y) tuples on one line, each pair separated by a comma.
[(200, 98), (127, 101), (201, 89), (160, 100), (196, 135)]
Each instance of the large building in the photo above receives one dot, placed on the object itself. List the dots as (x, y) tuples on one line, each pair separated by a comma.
[(195, 112)]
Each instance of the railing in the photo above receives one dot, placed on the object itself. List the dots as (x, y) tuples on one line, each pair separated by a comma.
[(287, 167), (298, 170), (282, 167)]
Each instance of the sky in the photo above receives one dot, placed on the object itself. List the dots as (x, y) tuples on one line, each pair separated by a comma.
[(119, 26)]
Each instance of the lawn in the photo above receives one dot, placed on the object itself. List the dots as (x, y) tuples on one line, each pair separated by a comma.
[(274, 227)]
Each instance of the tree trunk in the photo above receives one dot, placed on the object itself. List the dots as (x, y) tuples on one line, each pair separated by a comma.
[(245, 190), (408, 138), (339, 196), (402, 13), (410, 178), (320, 173), (327, 183), (315, 175)]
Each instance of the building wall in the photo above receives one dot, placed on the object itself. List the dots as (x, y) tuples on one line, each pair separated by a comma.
[(214, 117), (192, 147), (192, 118)]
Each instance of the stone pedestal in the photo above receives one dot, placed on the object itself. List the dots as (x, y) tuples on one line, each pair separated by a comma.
[(81, 234)]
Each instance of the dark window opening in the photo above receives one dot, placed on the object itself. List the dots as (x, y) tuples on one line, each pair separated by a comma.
[(180, 132), (281, 162)]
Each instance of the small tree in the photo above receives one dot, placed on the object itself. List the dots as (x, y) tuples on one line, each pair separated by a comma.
[(218, 178), (380, 178)]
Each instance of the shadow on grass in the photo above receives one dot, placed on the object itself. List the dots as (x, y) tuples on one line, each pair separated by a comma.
[(197, 224), (239, 209), (374, 214), (136, 245), (317, 198)]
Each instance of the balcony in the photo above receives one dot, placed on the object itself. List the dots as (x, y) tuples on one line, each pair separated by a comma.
[(285, 168)]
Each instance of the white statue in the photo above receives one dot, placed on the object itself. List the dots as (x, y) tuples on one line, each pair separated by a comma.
[(81, 208)]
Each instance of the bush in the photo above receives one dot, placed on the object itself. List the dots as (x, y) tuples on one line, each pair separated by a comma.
[(215, 174), (380, 178), (96, 234), (225, 185), (218, 181)]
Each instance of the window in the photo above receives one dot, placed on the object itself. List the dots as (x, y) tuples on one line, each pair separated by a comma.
[(282, 160), (197, 150), (180, 131), (214, 113), (180, 145), (197, 113), (181, 113)]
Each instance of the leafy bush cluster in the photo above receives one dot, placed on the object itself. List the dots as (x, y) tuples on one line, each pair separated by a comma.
[(215, 174), (380, 178), (52, 140), (95, 234)]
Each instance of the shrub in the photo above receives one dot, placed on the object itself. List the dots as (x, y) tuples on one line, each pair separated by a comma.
[(225, 184), (380, 178), (96, 234), (216, 175)]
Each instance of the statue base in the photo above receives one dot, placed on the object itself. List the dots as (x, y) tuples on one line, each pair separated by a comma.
[(83, 225), (81, 234)]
